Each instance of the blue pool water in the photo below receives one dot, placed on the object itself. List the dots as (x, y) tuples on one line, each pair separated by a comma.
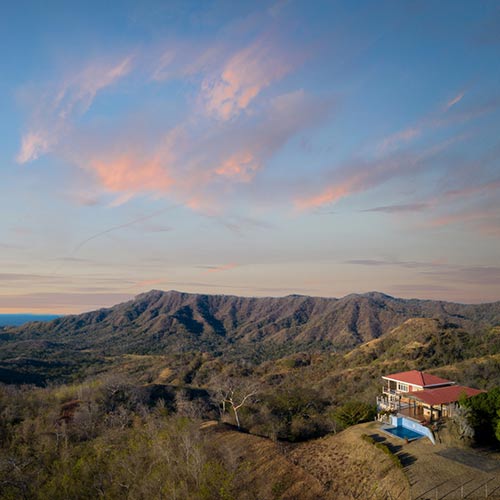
[(403, 433)]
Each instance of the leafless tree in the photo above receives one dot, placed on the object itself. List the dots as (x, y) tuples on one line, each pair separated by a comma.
[(186, 407), (235, 393)]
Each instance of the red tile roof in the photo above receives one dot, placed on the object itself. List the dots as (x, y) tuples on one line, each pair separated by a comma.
[(415, 377), (443, 395)]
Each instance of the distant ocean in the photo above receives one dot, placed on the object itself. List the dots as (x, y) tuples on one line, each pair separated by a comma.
[(20, 319)]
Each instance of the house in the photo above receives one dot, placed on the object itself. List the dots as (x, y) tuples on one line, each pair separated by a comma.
[(420, 396)]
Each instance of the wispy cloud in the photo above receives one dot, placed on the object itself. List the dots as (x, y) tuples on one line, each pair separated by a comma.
[(399, 138), (443, 271), (181, 60), (241, 166), (129, 172), (219, 268), (477, 275), (12, 277), (484, 188), (200, 165), (401, 208), (358, 177), (35, 144), (409, 264), (149, 282), (56, 108), (242, 78), (454, 100), (438, 118), (485, 220), (109, 230)]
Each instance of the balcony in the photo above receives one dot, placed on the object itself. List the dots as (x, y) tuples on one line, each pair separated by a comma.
[(386, 390)]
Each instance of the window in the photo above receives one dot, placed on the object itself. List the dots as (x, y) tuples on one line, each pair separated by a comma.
[(402, 387)]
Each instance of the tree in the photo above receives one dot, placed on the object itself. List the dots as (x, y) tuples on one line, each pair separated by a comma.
[(484, 415), (461, 419), (354, 412), (236, 393)]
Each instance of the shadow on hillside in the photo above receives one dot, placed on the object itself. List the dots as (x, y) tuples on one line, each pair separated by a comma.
[(405, 458)]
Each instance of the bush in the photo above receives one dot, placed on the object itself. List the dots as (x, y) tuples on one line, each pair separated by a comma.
[(354, 412), (484, 416)]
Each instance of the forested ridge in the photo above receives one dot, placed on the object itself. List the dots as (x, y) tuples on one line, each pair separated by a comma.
[(114, 403)]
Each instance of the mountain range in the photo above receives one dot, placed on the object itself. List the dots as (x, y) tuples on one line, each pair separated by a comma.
[(166, 323)]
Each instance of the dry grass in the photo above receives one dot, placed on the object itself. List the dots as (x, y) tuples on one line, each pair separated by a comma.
[(264, 471), (337, 467), (351, 467), (164, 375)]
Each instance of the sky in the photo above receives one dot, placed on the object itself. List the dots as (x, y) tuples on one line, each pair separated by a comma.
[(248, 148)]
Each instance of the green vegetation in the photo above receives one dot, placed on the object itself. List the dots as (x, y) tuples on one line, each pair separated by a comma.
[(109, 403), (483, 416), (355, 412), (105, 439)]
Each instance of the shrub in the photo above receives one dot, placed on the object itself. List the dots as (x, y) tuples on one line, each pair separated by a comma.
[(354, 412)]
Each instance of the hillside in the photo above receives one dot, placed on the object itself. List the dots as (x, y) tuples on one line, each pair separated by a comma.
[(157, 320), (340, 466), (255, 329), (145, 374)]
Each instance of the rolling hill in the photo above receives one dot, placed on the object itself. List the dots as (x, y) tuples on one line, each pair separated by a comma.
[(257, 329)]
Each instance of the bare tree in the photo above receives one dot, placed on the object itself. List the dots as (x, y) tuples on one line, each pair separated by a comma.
[(235, 393), (186, 407)]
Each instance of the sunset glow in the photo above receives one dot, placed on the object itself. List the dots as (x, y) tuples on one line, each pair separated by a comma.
[(248, 148)]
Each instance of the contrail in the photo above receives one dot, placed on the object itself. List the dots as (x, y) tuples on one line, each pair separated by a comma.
[(112, 229)]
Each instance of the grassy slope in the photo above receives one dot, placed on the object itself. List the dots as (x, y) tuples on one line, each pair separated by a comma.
[(341, 466)]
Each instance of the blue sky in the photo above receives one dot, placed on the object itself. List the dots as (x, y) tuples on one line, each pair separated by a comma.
[(250, 148)]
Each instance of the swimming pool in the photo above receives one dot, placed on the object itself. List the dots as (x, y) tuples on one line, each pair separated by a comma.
[(403, 433)]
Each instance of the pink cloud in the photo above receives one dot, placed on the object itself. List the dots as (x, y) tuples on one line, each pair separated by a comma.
[(240, 166), (79, 91), (398, 138), (427, 123), (126, 173), (329, 195), (149, 282), (55, 110), (482, 219), (355, 178), (33, 145), (455, 100), (241, 79), (182, 59), (196, 165), (198, 162)]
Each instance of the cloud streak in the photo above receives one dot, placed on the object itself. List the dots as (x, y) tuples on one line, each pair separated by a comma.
[(401, 208), (109, 230), (219, 269), (201, 166), (455, 100), (353, 178), (244, 76), (55, 111)]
